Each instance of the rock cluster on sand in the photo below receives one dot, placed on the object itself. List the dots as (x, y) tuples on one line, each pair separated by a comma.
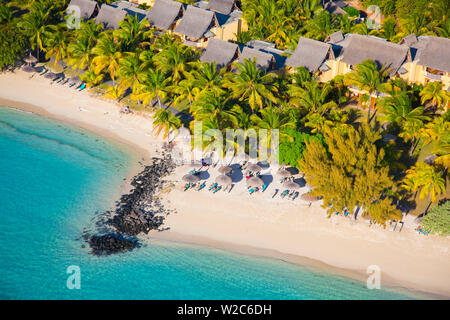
[(136, 212)]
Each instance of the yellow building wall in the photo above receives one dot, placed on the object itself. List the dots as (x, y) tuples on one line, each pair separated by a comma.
[(230, 31)]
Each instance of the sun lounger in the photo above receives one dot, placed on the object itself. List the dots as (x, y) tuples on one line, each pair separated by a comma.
[(83, 86), (346, 213), (220, 187), (201, 186), (264, 187), (251, 190), (284, 193), (213, 186), (63, 82), (43, 72), (393, 225), (295, 195), (400, 226)]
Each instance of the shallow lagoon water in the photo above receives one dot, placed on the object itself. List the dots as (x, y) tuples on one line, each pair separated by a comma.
[(54, 178)]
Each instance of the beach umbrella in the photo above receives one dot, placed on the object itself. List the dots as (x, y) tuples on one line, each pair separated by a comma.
[(282, 172), (224, 180), (225, 169), (75, 79), (30, 59), (195, 165), (50, 75), (28, 68), (255, 182), (253, 167), (291, 185), (190, 178), (309, 197)]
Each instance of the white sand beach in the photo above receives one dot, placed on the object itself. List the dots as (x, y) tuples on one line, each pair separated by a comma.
[(257, 224)]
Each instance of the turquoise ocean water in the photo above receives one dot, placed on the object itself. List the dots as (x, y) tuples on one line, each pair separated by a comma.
[(54, 177)]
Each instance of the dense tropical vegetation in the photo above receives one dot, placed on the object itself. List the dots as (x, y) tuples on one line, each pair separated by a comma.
[(346, 155)]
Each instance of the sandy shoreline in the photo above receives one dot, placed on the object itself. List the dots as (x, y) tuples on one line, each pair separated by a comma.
[(256, 225)]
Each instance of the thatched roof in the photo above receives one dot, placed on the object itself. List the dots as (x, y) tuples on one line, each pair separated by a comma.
[(433, 52), (222, 6), (110, 16), (196, 22), (164, 13), (409, 40), (263, 60), (222, 52), (334, 8), (136, 12), (335, 37), (87, 7), (310, 54), (385, 53)]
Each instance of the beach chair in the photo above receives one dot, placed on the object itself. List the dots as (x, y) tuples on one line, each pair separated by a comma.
[(220, 187), (186, 186), (336, 213), (346, 213), (213, 186), (251, 190), (400, 226), (64, 82), (393, 225), (200, 187), (284, 193), (295, 196), (264, 187), (82, 87)]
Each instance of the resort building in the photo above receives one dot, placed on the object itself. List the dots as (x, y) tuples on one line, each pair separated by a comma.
[(198, 25), (221, 52), (430, 61), (264, 60), (165, 13), (110, 16), (87, 8), (335, 7), (313, 55), (222, 6)]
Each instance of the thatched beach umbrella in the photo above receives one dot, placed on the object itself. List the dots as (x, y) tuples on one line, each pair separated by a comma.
[(190, 178), (29, 68), (225, 169), (253, 167), (282, 172), (255, 182), (30, 59), (224, 180), (50, 75), (290, 185), (309, 197)]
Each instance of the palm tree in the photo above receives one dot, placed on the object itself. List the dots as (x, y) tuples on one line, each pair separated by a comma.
[(312, 97), (437, 133), (107, 55), (91, 78), (184, 90), (132, 32), (320, 26), (251, 84), (79, 54), (214, 107), (368, 78), (272, 118), (434, 93), (426, 180), (398, 110), (56, 44), (165, 120), (174, 61), (131, 69), (206, 76), (154, 85), (34, 25), (116, 92)]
